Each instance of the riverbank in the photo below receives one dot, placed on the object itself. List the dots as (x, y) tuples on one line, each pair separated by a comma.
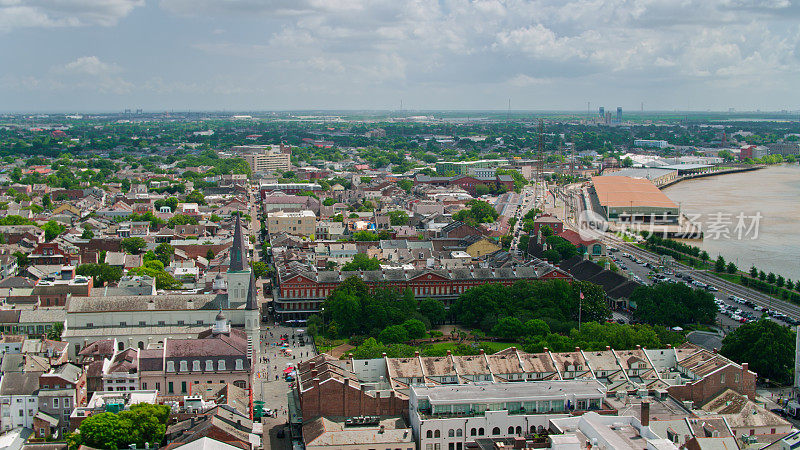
[(692, 176)]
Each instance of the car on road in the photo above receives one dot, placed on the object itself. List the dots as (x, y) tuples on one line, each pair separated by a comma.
[(711, 288)]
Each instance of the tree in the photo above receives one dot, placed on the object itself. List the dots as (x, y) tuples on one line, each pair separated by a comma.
[(101, 273), (536, 327), (394, 334), (433, 309), (22, 259), (704, 256), (155, 269), (481, 190), (398, 218), (415, 328), (361, 262), (780, 281), (551, 255), (771, 278), (47, 203), (766, 346), (133, 245), (56, 331), (181, 219), (762, 275), (564, 247), (405, 184), (164, 253), (509, 328), (210, 254), (87, 233), (196, 197), (673, 304), (732, 268), (260, 269), (546, 230), (52, 229), (753, 272), (719, 264), (144, 424)]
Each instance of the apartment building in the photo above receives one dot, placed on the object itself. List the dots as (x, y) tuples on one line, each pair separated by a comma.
[(302, 223)]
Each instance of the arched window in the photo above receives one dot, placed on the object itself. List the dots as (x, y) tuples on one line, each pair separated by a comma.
[(533, 429), (240, 384), (120, 346), (429, 434), (437, 434), (472, 432), (510, 430), (495, 431), (451, 432), (141, 345), (460, 433), (519, 430), (480, 431)]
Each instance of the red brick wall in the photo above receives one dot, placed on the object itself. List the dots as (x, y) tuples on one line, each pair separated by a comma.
[(334, 398), (701, 391)]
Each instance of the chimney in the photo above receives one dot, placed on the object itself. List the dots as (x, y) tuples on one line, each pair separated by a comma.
[(669, 345), (745, 367), (645, 419), (714, 349), (482, 352), (449, 353), (546, 350), (416, 354), (638, 347), (382, 429), (312, 365), (313, 373), (577, 349), (608, 347)]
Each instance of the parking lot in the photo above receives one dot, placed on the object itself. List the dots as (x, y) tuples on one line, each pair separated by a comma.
[(734, 310)]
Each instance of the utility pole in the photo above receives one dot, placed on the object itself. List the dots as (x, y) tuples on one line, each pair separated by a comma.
[(540, 160)]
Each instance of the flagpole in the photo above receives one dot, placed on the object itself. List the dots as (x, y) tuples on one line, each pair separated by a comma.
[(580, 308)]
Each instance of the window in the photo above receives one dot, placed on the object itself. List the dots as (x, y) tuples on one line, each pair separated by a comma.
[(195, 366), (170, 366), (89, 324), (221, 364), (161, 323), (66, 403), (183, 386), (459, 432), (181, 322), (55, 403), (158, 385), (429, 434), (170, 388), (437, 434), (144, 386), (451, 432), (510, 430), (239, 364), (519, 430), (142, 323), (472, 432), (451, 446), (184, 366), (495, 431), (722, 378), (123, 324), (209, 365), (480, 431)]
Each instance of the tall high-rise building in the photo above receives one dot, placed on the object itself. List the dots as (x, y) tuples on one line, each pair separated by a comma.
[(601, 112), (619, 114)]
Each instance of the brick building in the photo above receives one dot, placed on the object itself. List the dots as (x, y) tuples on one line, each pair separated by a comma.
[(300, 294)]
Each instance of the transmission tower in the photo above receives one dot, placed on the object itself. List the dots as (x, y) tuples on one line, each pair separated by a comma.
[(539, 177)]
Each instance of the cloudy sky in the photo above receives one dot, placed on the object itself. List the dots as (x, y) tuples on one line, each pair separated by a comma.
[(107, 55)]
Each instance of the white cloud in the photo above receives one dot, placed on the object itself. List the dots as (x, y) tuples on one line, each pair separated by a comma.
[(63, 13), (89, 65)]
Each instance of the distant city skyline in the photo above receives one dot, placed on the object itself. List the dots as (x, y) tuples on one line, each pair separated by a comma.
[(278, 55)]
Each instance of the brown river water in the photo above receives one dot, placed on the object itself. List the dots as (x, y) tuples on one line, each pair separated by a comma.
[(728, 207)]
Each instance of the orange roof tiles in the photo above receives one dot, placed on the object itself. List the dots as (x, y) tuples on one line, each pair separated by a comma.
[(613, 191)]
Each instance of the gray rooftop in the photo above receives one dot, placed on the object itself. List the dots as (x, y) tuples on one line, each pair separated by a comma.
[(502, 392)]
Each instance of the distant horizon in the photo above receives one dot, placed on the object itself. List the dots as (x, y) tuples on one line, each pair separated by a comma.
[(584, 113)]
